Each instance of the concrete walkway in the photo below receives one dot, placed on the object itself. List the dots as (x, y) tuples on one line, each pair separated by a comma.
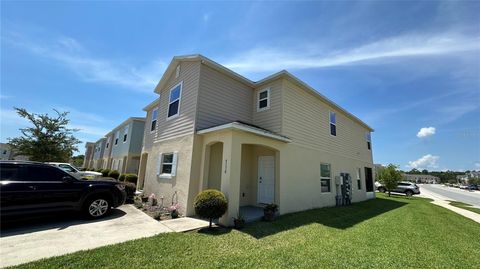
[(63, 234), (443, 202)]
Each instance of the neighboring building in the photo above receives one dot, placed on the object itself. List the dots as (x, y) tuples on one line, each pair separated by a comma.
[(464, 179), (149, 134), (126, 146), (5, 152), (276, 140), (420, 178), (98, 150), (107, 152), (89, 150)]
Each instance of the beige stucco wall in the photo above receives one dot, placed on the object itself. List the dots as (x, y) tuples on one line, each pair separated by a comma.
[(165, 187)]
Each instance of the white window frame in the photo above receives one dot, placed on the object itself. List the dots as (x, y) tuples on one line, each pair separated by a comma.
[(161, 163), (258, 100), (117, 137), (330, 122), (329, 178), (156, 120), (125, 134), (359, 178), (179, 100)]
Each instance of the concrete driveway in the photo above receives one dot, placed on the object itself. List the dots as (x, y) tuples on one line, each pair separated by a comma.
[(30, 240)]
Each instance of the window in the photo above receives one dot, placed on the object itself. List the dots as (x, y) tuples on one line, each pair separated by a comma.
[(359, 178), (4, 152), (325, 177), (117, 135), (153, 124), (125, 133), (43, 173), (174, 101), (167, 165), (67, 168), (369, 140), (108, 143), (263, 100), (9, 172), (333, 124)]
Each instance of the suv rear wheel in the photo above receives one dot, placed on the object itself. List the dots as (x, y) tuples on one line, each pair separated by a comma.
[(382, 189), (409, 193), (97, 207)]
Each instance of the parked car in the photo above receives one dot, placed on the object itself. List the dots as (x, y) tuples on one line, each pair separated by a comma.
[(473, 187), (73, 170), (33, 187), (408, 188)]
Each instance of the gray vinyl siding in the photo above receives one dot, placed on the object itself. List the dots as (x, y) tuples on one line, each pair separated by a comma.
[(270, 119), (222, 99), (136, 137), (107, 152), (183, 124), (98, 149), (133, 144), (306, 121)]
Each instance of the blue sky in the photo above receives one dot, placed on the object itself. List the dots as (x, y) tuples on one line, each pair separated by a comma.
[(399, 66)]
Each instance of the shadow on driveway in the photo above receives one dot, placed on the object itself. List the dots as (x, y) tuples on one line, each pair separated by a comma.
[(58, 220)]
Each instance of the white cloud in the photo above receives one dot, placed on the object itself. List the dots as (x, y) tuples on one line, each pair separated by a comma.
[(312, 56), (427, 161), (476, 165), (73, 55), (426, 131)]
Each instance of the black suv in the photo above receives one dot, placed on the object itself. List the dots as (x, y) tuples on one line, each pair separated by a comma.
[(32, 187)]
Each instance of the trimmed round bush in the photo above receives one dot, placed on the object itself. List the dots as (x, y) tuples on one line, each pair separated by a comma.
[(130, 190), (121, 177), (114, 173), (131, 178), (99, 170), (105, 172), (210, 204)]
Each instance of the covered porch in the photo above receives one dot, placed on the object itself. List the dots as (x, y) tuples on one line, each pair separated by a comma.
[(243, 162)]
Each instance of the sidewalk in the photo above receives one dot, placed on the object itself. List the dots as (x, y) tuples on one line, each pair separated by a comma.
[(443, 202)]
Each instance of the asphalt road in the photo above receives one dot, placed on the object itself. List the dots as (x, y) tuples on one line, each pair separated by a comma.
[(469, 197)]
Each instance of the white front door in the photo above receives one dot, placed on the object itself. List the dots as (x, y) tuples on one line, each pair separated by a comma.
[(266, 179)]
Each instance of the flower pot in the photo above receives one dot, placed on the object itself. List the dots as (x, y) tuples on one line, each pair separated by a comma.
[(239, 223), (268, 215), (174, 214)]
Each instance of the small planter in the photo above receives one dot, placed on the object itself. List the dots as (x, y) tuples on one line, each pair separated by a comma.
[(270, 212), (174, 214), (239, 223)]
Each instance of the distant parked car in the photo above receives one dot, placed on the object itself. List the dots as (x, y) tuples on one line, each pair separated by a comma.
[(473, 187), (73, 170), (408, 188), (33, 187), (464, 187)]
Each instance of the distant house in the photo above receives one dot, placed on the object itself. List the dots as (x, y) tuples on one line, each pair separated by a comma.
[(420, 178), (464, 179), (5, 152), (276, 140), (88, 159), (98, 150)]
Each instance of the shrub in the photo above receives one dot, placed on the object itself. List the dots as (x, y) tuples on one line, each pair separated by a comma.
[(130, 190), (105, 172), (114, 173), (99, 170), (131, 178), (121, 177), (210, 204)]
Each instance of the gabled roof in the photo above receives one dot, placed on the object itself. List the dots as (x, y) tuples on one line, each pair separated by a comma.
[(245, 127), (125, 122), (281, 74), (152, 104)]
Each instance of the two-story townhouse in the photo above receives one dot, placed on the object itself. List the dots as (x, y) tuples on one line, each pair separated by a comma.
[(98, 150), (148, 135), (107, 152), (88, 159), (276, 140), (126, 145)]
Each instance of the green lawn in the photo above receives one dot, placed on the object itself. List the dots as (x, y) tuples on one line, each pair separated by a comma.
[(396, 232), (465, 206)]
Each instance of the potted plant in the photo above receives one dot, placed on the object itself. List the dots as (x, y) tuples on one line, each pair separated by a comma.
[(269, 212), (239, 222), (173, 209)]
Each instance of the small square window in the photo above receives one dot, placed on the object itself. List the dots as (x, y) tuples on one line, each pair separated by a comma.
[(167, 164)]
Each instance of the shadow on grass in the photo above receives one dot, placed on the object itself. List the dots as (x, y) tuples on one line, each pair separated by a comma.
[(218, 230), (336, 217), (59, 221)]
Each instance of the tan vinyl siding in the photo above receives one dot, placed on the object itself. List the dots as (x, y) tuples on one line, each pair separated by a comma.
[(222, 99), (270, 119), (183, 124), (306, 121), (149, 136)]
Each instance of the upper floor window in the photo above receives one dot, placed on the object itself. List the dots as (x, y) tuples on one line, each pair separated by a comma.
[(117, 135), (263, 100), (174, 101), (368, 138), (108, 143), (333, 123), (153, 124), (125, 134)]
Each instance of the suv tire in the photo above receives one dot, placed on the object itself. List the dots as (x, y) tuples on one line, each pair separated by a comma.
[(97, 207), (382, 189), (409, 193)]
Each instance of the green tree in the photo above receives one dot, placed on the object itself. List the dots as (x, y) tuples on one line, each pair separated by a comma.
[(414, 171), (49, 140), (425, 171), (77, 160), (389, 176)]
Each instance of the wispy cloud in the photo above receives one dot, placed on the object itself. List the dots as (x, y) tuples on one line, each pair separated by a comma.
[(71, 54), (425, 162), (425, 132), (263, 59)]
